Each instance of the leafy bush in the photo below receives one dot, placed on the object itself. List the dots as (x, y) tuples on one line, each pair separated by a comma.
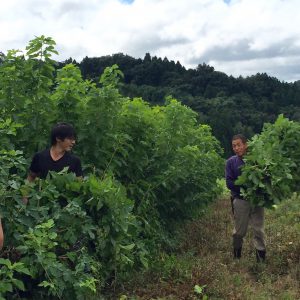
[(72, 232), (145, 167), (8, 280), (271, 173)]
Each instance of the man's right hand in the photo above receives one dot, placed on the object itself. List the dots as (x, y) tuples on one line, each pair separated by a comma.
[(25, 200)]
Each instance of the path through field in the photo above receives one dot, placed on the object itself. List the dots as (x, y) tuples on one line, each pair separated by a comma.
[(203, 268)]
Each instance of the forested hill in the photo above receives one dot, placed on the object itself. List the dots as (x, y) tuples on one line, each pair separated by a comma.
[(230, 105)]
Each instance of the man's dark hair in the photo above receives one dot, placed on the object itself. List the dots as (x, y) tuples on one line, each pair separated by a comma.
[(62, 131), (241, 137)]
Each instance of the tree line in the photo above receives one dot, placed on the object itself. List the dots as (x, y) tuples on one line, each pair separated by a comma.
[(228, 104)]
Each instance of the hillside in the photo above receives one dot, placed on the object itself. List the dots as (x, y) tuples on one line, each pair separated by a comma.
[(228, 104)]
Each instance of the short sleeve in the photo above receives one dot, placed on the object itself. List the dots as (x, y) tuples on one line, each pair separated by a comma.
[(35, 166), (78, 168)]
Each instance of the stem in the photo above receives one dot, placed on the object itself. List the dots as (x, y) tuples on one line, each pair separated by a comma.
[(111, 158), (49, 278)]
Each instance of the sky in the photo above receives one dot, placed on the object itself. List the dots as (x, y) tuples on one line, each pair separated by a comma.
[(237, 37)]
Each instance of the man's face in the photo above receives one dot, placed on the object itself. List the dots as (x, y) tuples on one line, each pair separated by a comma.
[(66, 144), (239, 148)]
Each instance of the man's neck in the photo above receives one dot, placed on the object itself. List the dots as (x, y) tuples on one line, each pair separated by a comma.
[(56, 152)]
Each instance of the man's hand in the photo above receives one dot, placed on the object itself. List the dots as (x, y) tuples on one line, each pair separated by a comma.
[(31, 176), (25, 200)]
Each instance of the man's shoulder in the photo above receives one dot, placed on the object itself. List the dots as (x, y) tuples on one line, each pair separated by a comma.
[(73, 157), (232, 159), (42, 153)]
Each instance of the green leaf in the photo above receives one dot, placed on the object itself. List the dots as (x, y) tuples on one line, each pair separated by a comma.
[(128, 247), (199, 289), (5, 262), (19, 284)]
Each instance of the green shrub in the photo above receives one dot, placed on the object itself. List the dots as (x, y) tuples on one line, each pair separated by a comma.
[(144, 168)]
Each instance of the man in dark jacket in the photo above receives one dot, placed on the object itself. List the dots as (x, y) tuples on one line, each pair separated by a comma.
[(243, 212)]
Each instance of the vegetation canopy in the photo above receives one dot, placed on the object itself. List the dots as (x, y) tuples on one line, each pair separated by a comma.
[(146, 167)]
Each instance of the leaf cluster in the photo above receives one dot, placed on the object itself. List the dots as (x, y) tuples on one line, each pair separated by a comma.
[(73, 235), (271, 172)]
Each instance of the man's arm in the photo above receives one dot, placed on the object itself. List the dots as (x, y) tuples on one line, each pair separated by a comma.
[(31, 176), (78, 168), (230, 177)]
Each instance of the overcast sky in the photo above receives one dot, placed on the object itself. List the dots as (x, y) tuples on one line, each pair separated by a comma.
[(238, 37)]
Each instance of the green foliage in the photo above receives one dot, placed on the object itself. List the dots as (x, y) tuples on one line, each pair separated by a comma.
[(25, 84), (12, 162), (271, 173), (111, 76), (199, 291), (7, 129), (73, 231), (70, 94), (8, 280), (145, 168)]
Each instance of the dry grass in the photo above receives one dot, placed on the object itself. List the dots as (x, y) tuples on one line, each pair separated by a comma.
[(204, 258)]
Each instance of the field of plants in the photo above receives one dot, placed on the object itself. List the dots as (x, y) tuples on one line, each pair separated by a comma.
[(145, 169)]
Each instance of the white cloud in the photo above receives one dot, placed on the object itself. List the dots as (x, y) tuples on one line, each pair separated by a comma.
[(242, 37)]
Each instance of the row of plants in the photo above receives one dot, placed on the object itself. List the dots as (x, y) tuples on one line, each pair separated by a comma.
[(145, 168)]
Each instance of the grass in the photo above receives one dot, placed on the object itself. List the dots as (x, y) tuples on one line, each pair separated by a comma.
[(203, 268)]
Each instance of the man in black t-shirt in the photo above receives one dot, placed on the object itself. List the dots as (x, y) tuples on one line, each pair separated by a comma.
[(58, 156)]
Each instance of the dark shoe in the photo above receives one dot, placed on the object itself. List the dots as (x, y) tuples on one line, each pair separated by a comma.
[(237, 253), (260, 255)]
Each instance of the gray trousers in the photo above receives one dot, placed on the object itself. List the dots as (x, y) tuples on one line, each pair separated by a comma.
[(245, 215)]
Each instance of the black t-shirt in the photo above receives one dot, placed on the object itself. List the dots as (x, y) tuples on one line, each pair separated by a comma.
[(42, 162)]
